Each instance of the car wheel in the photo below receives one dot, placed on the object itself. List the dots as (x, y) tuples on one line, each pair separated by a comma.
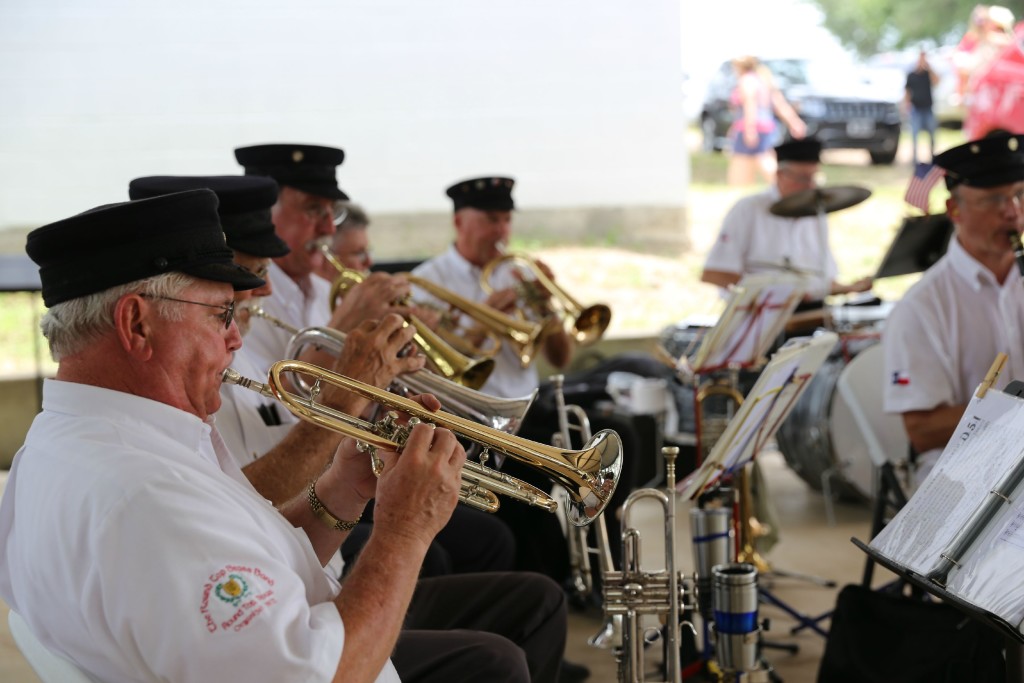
[(710, 142), (883, 158)]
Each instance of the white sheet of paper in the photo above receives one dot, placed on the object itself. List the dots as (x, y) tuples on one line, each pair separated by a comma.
[(757, 312), (988, 442)]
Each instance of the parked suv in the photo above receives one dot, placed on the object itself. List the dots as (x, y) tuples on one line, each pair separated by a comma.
[(838, 105)]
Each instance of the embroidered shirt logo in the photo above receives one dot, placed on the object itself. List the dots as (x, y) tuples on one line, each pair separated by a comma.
[(900, 378), (234, 590), (234, 596)]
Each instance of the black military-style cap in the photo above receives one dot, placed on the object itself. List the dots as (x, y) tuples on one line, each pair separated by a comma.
[(807, 150), (244, 207), (310, 168), (987, 162), (486, 194), (116, 244)]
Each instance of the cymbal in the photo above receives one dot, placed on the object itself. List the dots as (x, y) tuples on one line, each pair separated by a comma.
[(830, 199)]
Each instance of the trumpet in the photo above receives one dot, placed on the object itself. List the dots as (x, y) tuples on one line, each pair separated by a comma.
[(503, 414), (588, 475), (550, 302), (446, 360), (632, 593)]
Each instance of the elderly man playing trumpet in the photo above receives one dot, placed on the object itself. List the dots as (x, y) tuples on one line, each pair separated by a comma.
[(123, 489), (455, 625), (302, 215)]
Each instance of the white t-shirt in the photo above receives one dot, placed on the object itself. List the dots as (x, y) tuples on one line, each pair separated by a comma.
[(134, 546), (452, 271), (753, 240), (941, 339)]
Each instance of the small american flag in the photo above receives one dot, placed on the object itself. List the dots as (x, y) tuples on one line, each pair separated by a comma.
[(925, 177)]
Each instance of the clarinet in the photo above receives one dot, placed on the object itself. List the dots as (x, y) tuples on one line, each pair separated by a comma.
[(1018, 250)]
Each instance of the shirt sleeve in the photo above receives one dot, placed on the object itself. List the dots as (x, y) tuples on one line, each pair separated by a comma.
[(196, 598), (919, 370), (728, 253)]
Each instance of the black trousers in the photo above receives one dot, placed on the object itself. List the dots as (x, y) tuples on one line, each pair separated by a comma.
[(498, 626), (472, 541)]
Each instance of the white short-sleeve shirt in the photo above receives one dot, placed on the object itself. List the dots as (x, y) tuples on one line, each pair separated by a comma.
[(753, 240), (134, 546), (450, 270), (942, 337), (266, 343)]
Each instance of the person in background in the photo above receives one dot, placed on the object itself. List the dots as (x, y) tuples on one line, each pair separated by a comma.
[(917, 104), (752, 239), (943, 336), (350, 243), (757, 102)]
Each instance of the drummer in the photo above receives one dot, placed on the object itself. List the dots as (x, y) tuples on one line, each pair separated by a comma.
[(753, 239)]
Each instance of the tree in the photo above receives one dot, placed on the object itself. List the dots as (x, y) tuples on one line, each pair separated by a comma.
[(871, 26)]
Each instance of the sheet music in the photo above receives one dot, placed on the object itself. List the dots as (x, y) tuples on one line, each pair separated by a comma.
[(763, 410), (987, 444), (755, 315)]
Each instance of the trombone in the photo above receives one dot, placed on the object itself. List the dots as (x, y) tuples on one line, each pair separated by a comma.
[(588, 475), (550, 302), (505, 414)]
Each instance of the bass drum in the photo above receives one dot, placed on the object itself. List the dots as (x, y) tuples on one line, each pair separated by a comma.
[(820, 436)]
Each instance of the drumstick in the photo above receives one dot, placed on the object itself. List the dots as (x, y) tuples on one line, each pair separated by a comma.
[(993, 372)]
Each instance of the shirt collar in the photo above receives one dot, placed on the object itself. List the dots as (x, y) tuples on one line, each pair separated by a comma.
[(134, 412), (459, 261), (971, 270)]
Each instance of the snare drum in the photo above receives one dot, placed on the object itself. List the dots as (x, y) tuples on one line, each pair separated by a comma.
[(820, 437)]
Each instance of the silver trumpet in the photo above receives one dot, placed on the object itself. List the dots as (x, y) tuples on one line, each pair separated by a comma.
[(633, 593), (498, 413)]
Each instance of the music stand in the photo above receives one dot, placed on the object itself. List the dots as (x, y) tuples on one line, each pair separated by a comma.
[(920, 242), (758, 308), (766, 406)]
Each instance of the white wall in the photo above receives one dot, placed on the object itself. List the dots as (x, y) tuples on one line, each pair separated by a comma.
[(580, 100)]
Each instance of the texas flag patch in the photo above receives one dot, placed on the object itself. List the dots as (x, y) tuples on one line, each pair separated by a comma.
[(900, 378)]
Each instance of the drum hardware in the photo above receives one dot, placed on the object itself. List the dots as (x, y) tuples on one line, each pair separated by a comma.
[(589, 475), (819, 200), (632, 593), (546, 300)]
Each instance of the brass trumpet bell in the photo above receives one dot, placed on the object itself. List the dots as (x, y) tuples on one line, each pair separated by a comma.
[(589, 475), (584, 324), (442, 357)]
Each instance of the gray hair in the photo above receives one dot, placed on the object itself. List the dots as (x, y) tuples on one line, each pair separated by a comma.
[(354, 216), (70, 326)]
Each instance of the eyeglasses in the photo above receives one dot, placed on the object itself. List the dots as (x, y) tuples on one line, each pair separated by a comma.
[(226, 317), (319, 212), (997, 203)]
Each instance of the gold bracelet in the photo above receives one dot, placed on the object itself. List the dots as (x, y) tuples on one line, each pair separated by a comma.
[(323, 514)]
